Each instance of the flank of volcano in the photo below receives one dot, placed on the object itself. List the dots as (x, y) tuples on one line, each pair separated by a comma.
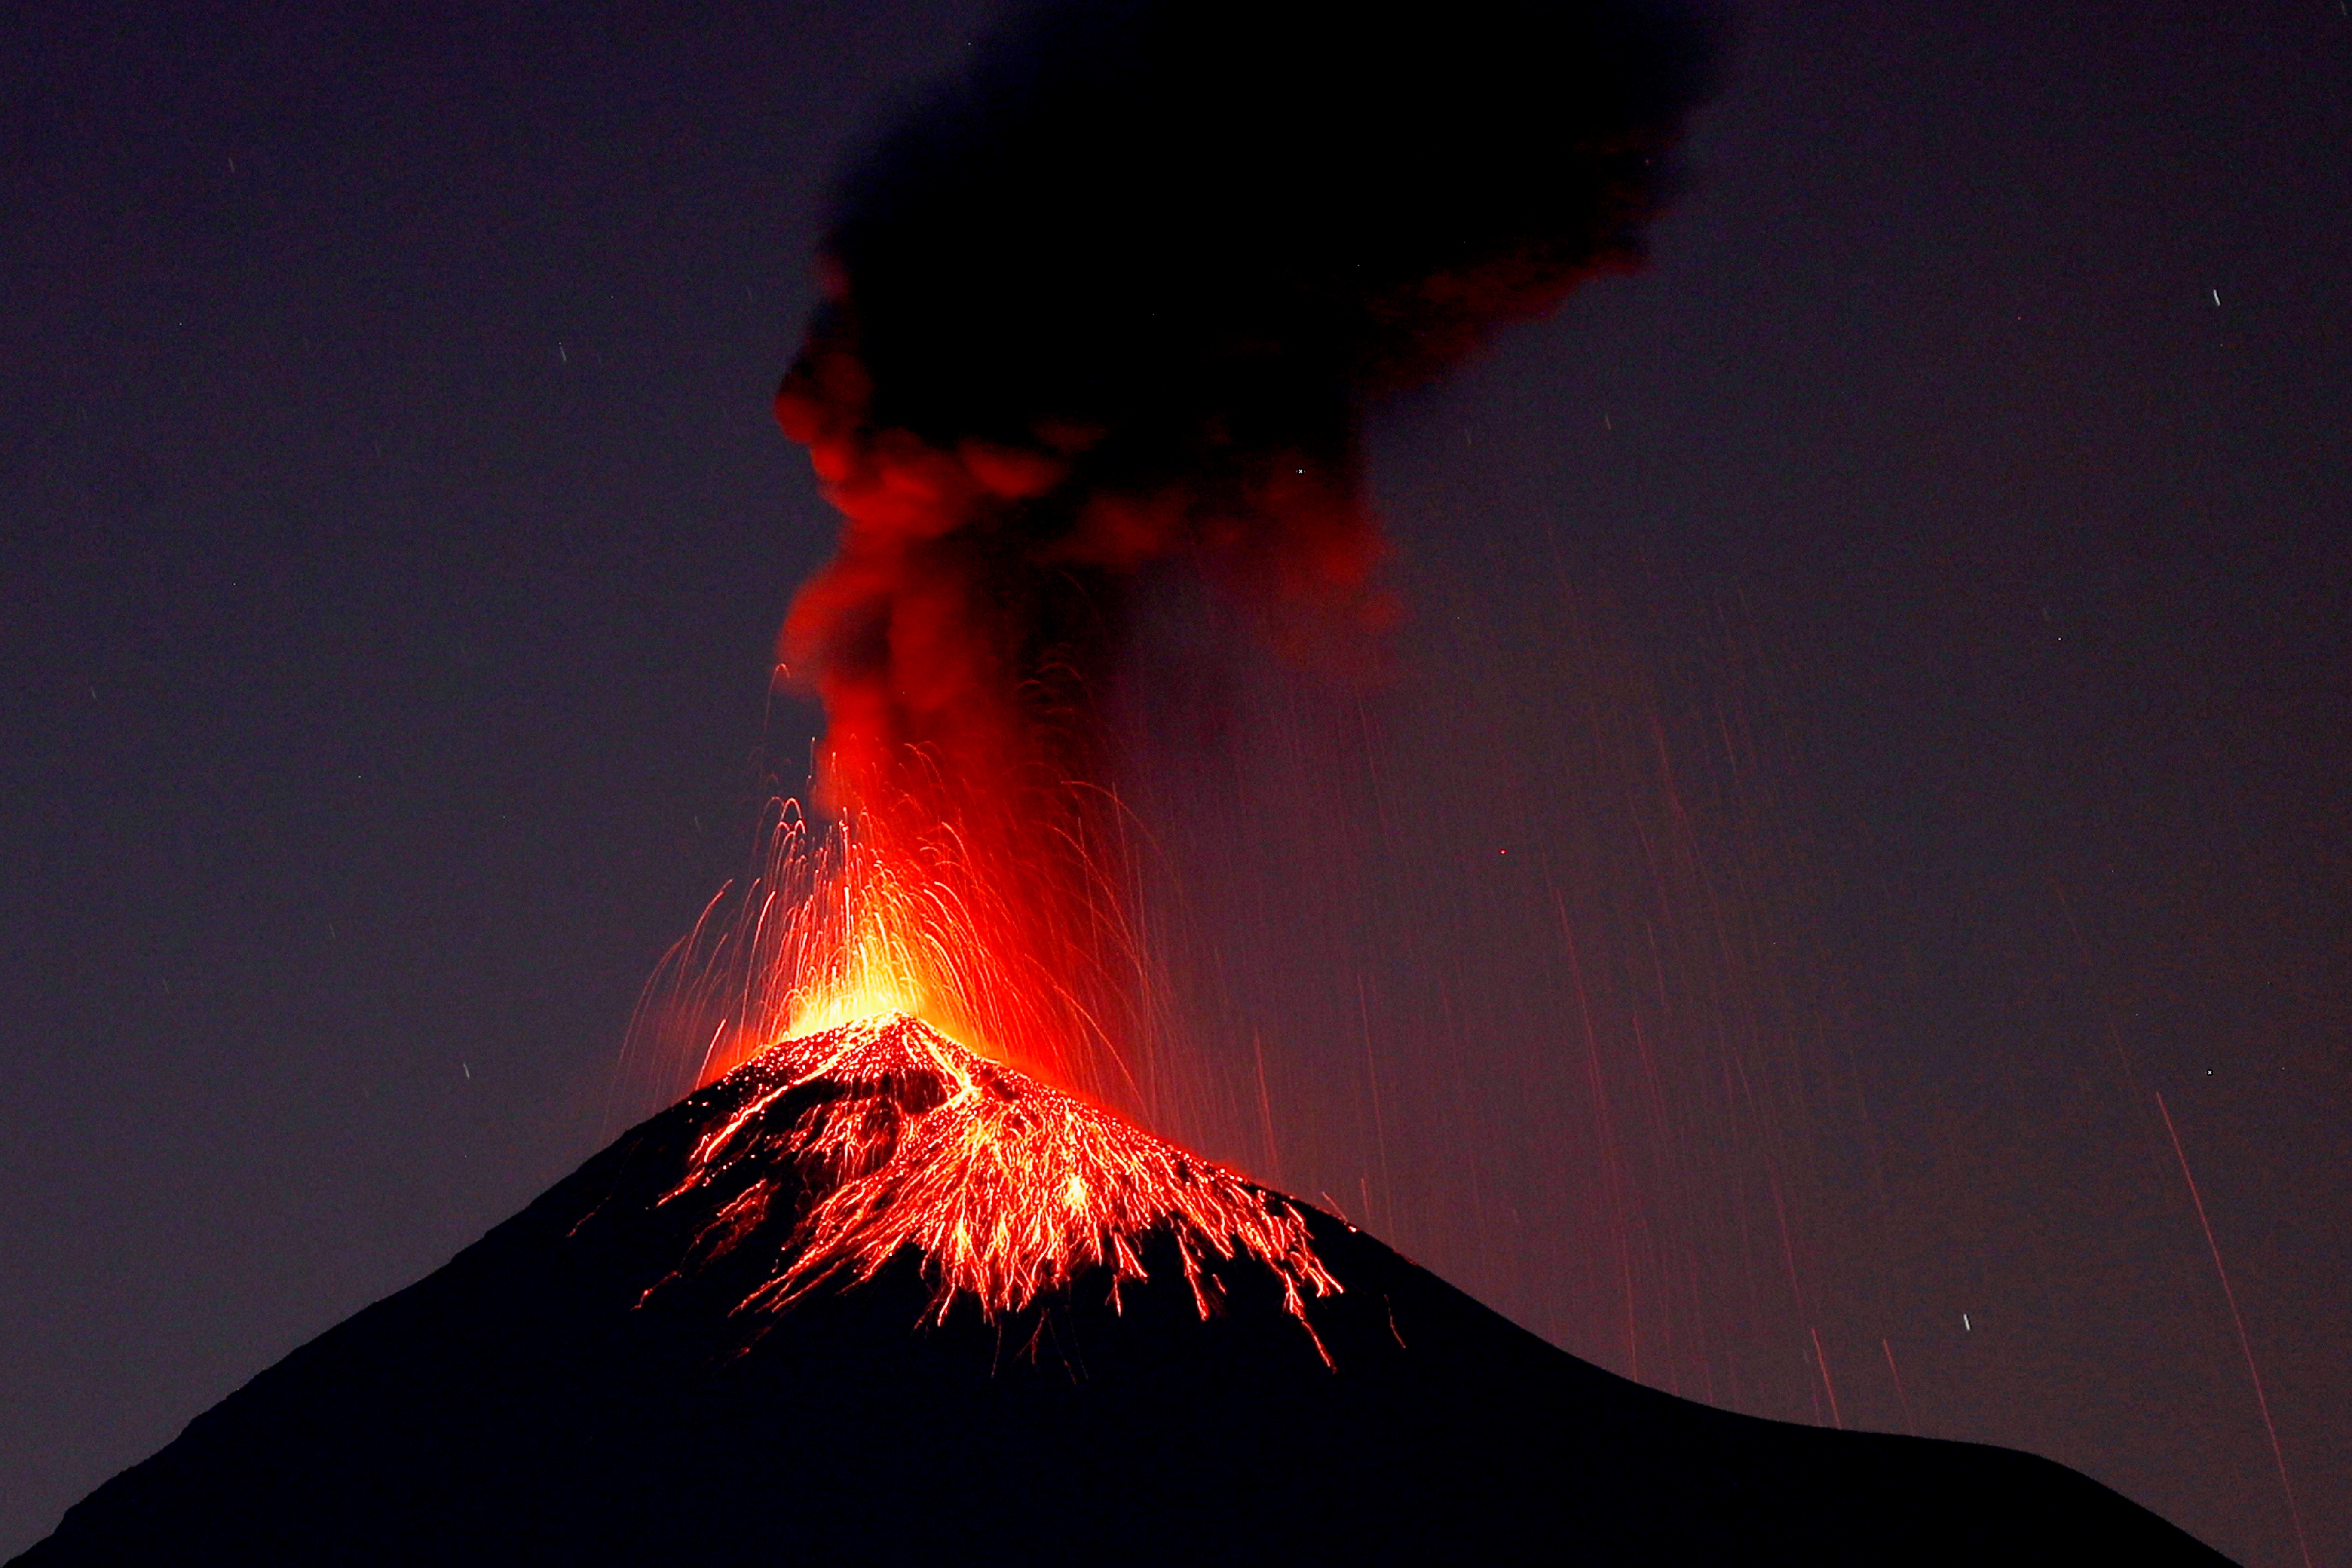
[(873, 1297)]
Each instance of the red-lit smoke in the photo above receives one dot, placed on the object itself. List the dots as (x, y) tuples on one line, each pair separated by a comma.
[(1117, 297)]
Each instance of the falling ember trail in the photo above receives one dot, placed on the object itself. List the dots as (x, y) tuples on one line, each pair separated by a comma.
[(1265, 1112), (1822, 1362), (1609, 1155), (2237, 1320), (1908, 1425)]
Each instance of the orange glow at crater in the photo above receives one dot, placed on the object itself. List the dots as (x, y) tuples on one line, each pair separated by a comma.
[(1028, 960)]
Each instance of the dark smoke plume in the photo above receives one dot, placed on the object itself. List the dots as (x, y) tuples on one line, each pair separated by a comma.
[(1120, 294)]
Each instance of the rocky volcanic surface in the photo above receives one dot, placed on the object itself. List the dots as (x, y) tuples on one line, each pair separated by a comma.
[(631, 1370)]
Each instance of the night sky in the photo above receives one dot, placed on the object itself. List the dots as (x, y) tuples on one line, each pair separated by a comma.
[(1865, 770)]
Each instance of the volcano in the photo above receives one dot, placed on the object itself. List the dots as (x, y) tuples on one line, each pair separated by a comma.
[(874, 1298)]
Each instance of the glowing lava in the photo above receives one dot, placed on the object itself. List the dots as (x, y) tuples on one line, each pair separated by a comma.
[(882, 1135), (850, 920)]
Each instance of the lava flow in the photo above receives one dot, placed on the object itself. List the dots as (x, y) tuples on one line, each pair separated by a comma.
[(883, 1135)]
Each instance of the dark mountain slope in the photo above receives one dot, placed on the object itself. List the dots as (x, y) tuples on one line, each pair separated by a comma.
[(531, 1403)]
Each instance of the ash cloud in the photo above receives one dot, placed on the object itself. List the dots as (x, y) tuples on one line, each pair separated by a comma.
[(1119, 295)]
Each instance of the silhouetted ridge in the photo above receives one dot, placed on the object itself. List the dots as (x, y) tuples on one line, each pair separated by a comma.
[(579, 1387)]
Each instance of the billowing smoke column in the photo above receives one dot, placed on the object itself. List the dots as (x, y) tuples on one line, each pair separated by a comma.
[(1118, 296)]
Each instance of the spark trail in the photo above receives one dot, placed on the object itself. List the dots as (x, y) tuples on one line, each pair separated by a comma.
[(2238, 1322)]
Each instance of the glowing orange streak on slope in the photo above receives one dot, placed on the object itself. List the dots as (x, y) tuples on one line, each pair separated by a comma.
[(1008, 1190)]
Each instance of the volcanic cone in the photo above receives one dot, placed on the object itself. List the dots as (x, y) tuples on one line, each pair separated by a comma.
[(873, 1297)]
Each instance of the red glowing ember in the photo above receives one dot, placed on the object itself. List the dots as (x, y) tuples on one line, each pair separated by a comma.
[(883, 1135)]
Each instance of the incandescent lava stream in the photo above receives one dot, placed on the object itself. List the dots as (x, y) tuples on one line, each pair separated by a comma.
[(872, 1298)]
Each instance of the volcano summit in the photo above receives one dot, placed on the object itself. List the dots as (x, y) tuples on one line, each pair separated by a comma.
[(873, 1297)]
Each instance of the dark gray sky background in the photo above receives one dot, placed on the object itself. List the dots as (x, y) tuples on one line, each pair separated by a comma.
[(1872, 720)]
